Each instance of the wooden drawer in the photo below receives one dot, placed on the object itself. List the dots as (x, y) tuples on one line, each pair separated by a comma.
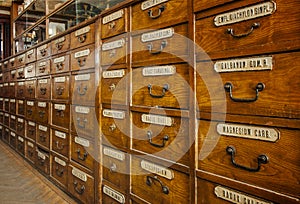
[(21, 107), (2, 90), (84, 121), (12, 106), (6, 89), (13, 122), (30, 56), (115, 167), (42, 112), (20, 127), (43, 67), (153, 14), (31, 130), (60, 142), (149, 183), (59, 170), (83, 36), (112, 195), (12, 63), (43, 89), (114, 51), (114, 86), (171, 45), (20, 73), (43, 51), (13, 140), (6, 119), (83, 89), (81, 185), (115, 128), (12, 89), (21, 145), (114, 24), (60, 87), (1, 78), (1, 103), (251, 154), (1, 131), (43, 136), (6, 104), (206, 4), (13, 75), (20, 92), (60, 63), (30, 110), (83, 151), (164, 136), (1, 117), (20, 60), (1, 67), (83, 58), (222, 35), (42, 161), (30, 88), (61, 44), (61, 115), (170, 88), (264, 92), (6, 135), (6, 77), (5, 65), (30, 150)]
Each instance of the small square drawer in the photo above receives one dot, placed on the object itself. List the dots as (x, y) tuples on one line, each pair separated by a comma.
[(112, 195), (30, 56), (21, 107), (13, 75), (20, 60), (12, 106), (12, 89), (42, 112), (6, 135), (20, 129), (12, 63), (42, 161), (5, 65), (1, 78), (61, 115), (13, 122), (1, 117), (30, 149), (60, 142), (61, 44), (43, 136), (114, 51), (60, 63), (6, 104), (29, 71), (6, 77), (1, 103), (43, 51), (13, 140), (43, 68), (6, 119), (30, 88), (60, 87), (83, 58), (31, 130), (21, 145), (30, 110), (2, 90), (20, 73), (114, 24), (20, 92), (43, 89), (59, 170), (83, 36)]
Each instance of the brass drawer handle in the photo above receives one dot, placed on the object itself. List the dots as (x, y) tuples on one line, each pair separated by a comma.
[(41, 161), (228, 88), (82, 158), (81, 90), (20, 147), (42, 138), (20, 127), (113, 168), (164, 89), (31, 131), (59, 66), (112, 127), (60, 91), (81, 38), (20, 91), (30, 90), (42, 69), (163, 44), (231, 31), (160, 10), (43, 91), (59, 146), (21, 59), (59, 172), (164, 188), (112, 53), (60, 113), (261, 159), (111, 25), (43, 52), (29, 112), (112, 87), (58, 46), (30, 153), (80, 191), (165, 138), (81, 124), (81, 62), (42, 114), (21, 74)]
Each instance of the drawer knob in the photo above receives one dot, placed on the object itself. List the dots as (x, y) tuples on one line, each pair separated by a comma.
[(113, 168), (111, 25), (30, 153), (20, 146), (82, 158), (228, 88), (164, 89), (164, 188), (81, 62), (112, 127), (59, 66), (80, 190), (42, 69), (43, 91), (112, 87), (42, 114), (59, 146), (81, 90), (261, 159), (59, 91), (30, 90), (163, 44), (60, 113), (231, 31), (81, 124), (160, 10), (42, 138), (58, 46), (165, 138), (21, 74), (43, 52), (59, 172), (81, 38)]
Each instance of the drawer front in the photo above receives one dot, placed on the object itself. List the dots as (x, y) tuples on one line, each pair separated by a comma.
[(206, 4), (81, 185), (162, 136), (114, 86), (6, 77), (13, 122), (12, 89), (222, 36), (83, 152), (113, 51), (61, 115), (6, 104), (20, 92), (42, 112), (21, 107), (83, 58), (42, 161), (30, 56), (171, 88), (60, 142), (112, 196), (265, 92), (1, 78), (6, 119), (43, 88), (60, 87), (6, 135), (83, 36), (5, 89), (43, 136), (114, 24), (171, 45), (11, 63), (13, 75), (60, 170), (13, 140), (43, 51), (20, 60), (1, 103), (115, 128), (30, 110), (60, 45), (1, 117), (30, 89), (83, 89), (30, 150), (153, 14), (30, 71), (31, 130), (21, 145), (20, 74), (251, 154), (170, 187), (115, 167), (20, 129), (5, 65), (60, 63), (12, 106), (43, 68)]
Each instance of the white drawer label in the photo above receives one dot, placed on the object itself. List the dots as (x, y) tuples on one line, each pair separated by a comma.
[(59, 161), (5, 63), (6, 100), (114, 194), (1, 75), (82, 141), (247, 64), (31, 124), (30, 82), (79, 174), (1, 99), (246, 13), (1, 127), (43, 128), (59, 59), (21, 83), (12, 84), (150, 3), (30, 103), (158, 120), (30, 144), (13, 134), (157, 35), (114, 114), (82, 109), (13, 72), (20, 120), (13, 117), (6, 115), (59, 107), (113, 45), (60, 79), (41, 155), (42, 104), (159, 70), (1, 85), (82, 77), (12, 60), (250, 132), (21, 70), (82, 53), (12, 100), (42, 64), (43, 81), (156, 169), (20, 139), (59, 40), (5, 84), (60, 134), (113, 16), (82, 31), (113, 74), (30, 52), (21, 102), (43, 47), (236, 197), (114, 153)]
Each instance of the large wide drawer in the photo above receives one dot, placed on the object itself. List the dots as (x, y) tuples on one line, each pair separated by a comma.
[(43, 89), (60, 63), (269, 87), (61, 115), (251, 154), (59, 170), (43, 136), (114, 24), (60, 142), (61, 44), (114, 51), (42, 68), (83, 58), (83, 36), (61, 87)]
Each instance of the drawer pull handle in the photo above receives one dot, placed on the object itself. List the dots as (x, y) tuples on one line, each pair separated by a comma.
[(59, 91), (261, 159), (164, 89), (59, 66), (231, 31), (112, 87), (84, 90), (160, 10), (162, 46), (43, 52), (21, 59), (42, 114), (59, 146), (41, 161), (164, 188), (43, 91), (20, 91), (81, 38), (29, 112), (58, 46), (31, 131), (19, 127), (81, 125), (21, 74), (42, 69), (165, 138), (60, 113), (42, 138), (13, 76), (20, 146), (112, 53), (228, 88), (81, 62), (30, 90), (112, 127), (30, 153), (111, 25), (82, 158), (29, 70), (113, 168), (79, 191), (59, 172)]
